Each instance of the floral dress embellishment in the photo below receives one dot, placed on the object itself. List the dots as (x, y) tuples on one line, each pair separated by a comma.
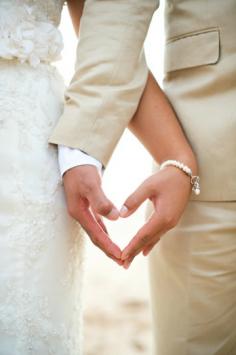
[(28, 31)]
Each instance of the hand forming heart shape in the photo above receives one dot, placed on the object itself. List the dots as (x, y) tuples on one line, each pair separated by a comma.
[(168, 189)]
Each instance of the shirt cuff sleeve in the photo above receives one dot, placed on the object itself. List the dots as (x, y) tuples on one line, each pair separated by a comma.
[(70, 157)]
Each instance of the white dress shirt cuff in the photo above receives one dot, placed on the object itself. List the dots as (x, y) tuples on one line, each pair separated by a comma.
[(70, 157)]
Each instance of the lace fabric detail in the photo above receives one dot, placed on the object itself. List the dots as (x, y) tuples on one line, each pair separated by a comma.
[(41, 264), (28, 30)]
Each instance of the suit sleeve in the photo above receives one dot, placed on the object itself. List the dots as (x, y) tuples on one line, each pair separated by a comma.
[(110, 75)]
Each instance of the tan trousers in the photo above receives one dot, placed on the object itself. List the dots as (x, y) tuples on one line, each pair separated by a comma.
[(193, 283)]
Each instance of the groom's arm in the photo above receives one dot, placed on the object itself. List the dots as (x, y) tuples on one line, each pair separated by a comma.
[(104, 93), (110, 76)]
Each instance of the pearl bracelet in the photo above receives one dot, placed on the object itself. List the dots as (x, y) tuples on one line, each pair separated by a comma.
[(194, 179)]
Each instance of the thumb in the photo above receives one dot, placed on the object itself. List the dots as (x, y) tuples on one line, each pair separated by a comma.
[(101, 205), (135, 200)]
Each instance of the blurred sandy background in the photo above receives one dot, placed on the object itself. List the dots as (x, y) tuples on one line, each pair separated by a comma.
[(117, 317)]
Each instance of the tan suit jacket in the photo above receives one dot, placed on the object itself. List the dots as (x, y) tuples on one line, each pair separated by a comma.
[(200, 81), (110, 75)]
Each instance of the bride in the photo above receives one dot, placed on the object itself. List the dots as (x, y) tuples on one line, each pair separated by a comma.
[(41, 245)]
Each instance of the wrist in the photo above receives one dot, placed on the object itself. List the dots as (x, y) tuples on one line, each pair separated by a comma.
[(189, 160), (194, 179)]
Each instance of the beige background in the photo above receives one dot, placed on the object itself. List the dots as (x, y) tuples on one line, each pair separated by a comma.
[(117, 315)]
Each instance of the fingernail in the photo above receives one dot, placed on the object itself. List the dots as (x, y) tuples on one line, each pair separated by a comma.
[(113, 214), (117, 254), (123, 211)]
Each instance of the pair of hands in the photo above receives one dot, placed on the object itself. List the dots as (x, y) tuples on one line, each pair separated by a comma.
[(168, 189)]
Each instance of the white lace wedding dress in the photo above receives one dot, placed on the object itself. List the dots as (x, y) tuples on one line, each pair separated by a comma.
[(40, 245)]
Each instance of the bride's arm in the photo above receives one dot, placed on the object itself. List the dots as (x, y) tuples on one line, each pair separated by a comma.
[(155, 124), (75, 9)]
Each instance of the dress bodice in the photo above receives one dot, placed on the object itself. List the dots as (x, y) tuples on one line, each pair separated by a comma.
[(29, 30)]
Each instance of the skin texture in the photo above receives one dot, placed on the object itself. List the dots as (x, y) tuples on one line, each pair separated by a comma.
[(86, 203), (169, 191), (155, 125), (75, 9)]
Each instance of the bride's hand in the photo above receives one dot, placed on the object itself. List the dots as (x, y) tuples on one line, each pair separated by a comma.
[(169, 190)]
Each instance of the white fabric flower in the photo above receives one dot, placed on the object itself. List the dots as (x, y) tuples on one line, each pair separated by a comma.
[(25, 38)]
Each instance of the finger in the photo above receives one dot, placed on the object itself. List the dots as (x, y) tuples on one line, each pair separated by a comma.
[(101, 204), (100, 221), (127, 263), (101, 239), (151, 229), (135, 200), (96, 232), (148, 249)]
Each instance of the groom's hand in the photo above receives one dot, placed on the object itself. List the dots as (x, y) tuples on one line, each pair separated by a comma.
[(86, 202)]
